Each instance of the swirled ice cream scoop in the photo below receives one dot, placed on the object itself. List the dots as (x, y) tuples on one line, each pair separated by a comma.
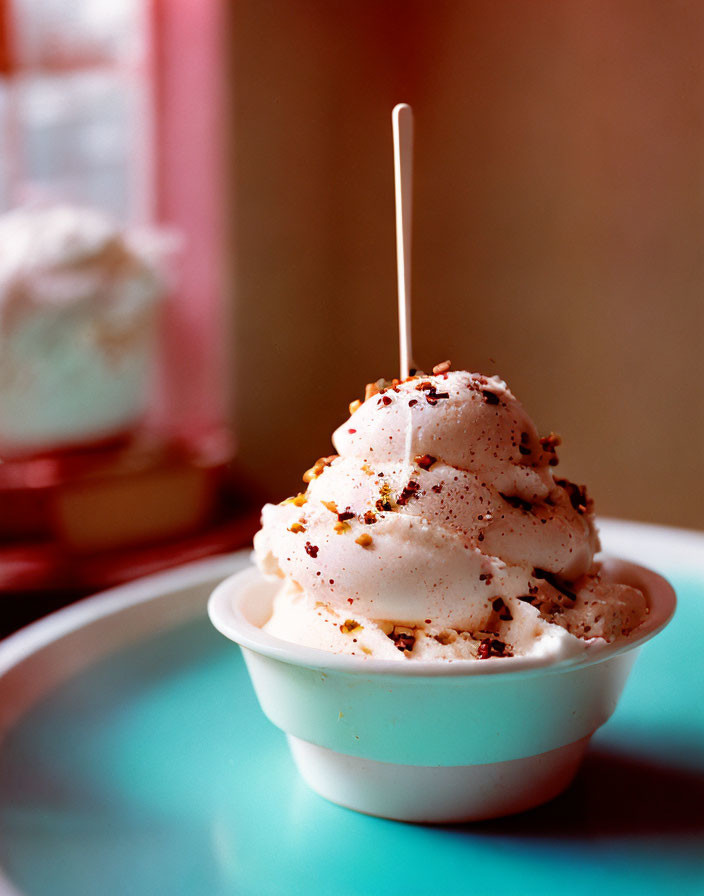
[(440, 531)]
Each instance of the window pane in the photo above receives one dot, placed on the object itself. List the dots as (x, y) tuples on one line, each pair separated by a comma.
[(70, 33), (76, 138)]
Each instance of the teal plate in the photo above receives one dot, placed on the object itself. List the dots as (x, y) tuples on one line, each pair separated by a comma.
[(135, 760)]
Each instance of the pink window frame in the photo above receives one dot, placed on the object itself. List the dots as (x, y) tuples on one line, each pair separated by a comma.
[(187, 60)]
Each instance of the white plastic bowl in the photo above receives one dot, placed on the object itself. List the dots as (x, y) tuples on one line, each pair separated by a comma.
[(434, 741)]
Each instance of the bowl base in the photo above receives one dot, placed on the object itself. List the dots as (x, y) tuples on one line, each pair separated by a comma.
[(437, 794)]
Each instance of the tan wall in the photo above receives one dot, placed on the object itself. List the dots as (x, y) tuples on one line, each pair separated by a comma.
[(559, 225)]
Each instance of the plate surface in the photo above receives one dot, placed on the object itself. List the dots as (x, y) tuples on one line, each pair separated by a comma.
[(136, 761)]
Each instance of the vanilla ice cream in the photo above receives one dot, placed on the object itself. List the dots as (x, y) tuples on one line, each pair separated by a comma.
[(439, 531), (78, 296)]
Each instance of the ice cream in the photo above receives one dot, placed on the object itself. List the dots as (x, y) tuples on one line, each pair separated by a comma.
[(440, 532), (78, 296)]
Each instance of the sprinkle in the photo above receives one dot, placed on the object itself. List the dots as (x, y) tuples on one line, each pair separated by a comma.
[(369, 517), (409, 491), (549, 445), (404, 641), (296, 527), (384, 502), (490, 397), (551, 442), (330, 505), (312, 550), (577, 494), (349, 626), (443, 367), (341, 527), (364, 539), (491, 647), (432, 395), (425, 461), (436, 488), (553, 580), (298, 501), (517, 502), (500, 607), (346, 514), (318, 467), (385, 400)]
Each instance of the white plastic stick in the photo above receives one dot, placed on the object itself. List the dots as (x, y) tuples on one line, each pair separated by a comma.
[(402, 126)]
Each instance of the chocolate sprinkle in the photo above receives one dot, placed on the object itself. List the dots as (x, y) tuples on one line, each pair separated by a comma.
[(403, 640), (550, 443), (576, 493), (489, 647), (517, 502), (553, 580), (500, 607), (490, 397), (409, 491), (311, 550), (425, 461), (432, 395)]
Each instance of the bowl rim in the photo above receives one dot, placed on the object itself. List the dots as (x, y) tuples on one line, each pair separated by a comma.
[(226, 615)]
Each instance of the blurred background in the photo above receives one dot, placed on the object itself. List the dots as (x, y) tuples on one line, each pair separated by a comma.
[(558, 226), (558, 233)]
